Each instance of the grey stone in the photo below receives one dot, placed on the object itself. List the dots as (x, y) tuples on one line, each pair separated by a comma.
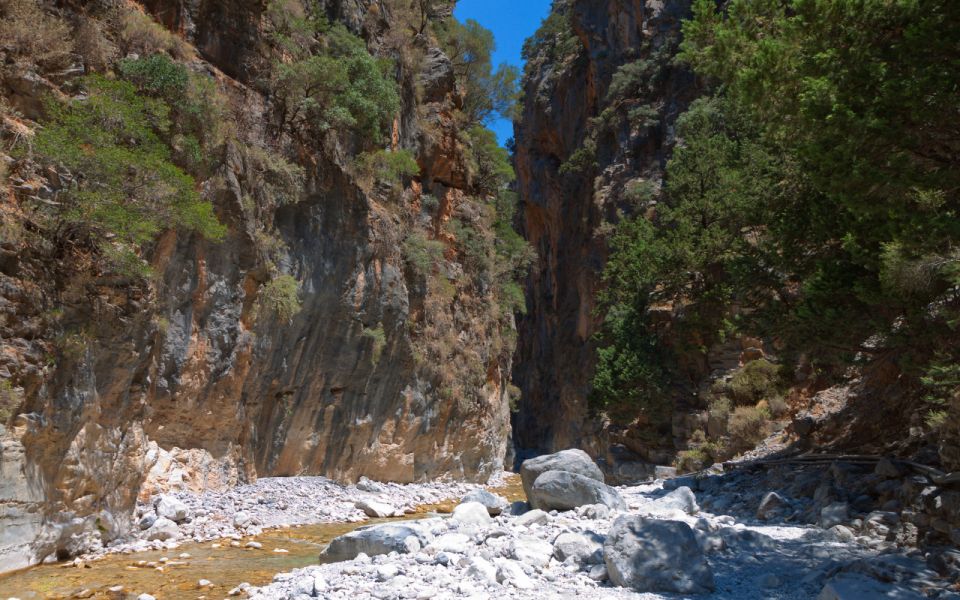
[(471, 513), (163, 529), (661, 472), (563, 490), (888, 469), (650, 555), (681, 499), (851, 586), (375, 509), (510, 572), (772, 506), (494, 504), (836, 513), (173, 509), (571, 461), (372, 540), (147, 520), (531, 551), (579, 547), (533, 517)]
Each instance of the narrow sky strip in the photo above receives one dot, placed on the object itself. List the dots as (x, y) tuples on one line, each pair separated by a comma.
[(512, 22)]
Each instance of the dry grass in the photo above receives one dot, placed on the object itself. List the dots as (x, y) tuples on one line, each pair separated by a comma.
[(34, 36)]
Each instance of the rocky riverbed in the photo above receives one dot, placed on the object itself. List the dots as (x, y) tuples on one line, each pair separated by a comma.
[(662, 543), (167, 520)]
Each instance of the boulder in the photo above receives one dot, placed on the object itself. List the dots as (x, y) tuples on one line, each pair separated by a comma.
[(147, 520), (580, 548), (495, 504), (682, 499), (376, 510), (482, 569), (563, 490), (533, 517), (833, 514), (650, 555), (571, 461), (510, 572), (772, 506), (374, 540), (471, 513), (163, 529), (532, 551), (173, 509), (852, 586)]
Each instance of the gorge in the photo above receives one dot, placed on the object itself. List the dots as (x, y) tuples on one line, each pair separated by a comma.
[(258, 240)]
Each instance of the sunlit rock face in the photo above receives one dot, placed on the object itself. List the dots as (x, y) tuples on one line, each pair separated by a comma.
[(182, 383)]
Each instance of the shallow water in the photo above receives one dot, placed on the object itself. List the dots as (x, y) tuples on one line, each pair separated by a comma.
[(176, 578)]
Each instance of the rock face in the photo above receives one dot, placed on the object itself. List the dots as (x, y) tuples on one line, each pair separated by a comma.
[(560, 490), (656, 556), (570, 461), (183, 383), (565, 215)]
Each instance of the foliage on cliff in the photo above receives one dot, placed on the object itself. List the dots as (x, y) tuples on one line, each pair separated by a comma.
[(812, 199)]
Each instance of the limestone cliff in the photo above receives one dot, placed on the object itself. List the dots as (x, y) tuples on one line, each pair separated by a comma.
[(573, 184), (115, 387)]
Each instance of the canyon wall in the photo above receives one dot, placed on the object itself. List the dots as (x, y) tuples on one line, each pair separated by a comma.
[(118, 389), (567, 213)]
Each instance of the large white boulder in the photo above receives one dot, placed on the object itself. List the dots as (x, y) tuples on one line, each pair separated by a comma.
[(571, 461)]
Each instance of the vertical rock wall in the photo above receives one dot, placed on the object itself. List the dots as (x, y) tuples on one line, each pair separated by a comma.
[(567, 216)]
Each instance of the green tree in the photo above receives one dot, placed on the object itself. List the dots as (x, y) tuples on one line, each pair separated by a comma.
[(323, 78), (490, 91)]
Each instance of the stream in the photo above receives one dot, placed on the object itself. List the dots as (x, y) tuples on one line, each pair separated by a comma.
[(174, 574)]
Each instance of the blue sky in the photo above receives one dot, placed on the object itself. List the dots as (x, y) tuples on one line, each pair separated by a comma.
[(511, 21)]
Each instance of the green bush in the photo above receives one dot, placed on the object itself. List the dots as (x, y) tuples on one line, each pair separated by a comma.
[(421, 253), (281, 297), (378, 338), (490, 162), (323, 78), (757, 380), (130, 188), (156, 75), (387, 166), (555, 40)]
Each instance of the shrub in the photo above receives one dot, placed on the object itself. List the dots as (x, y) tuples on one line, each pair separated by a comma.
[(91, 44), (747, 426), (34, 36), (280, 180), (280, 296), (555, 40), (140, 34), (9, 400), (197, 108), (421, 253), (379, 340), (130, 188), (692, 460), (757, 380), (156, 75), (581, 159), (490, 162), (387, 166)]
